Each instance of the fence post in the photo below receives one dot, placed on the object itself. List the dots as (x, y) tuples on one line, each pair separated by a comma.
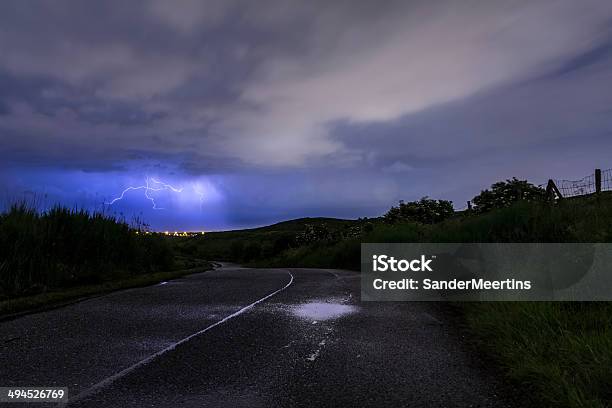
[(597, 181), (552, 190), (469, 205)]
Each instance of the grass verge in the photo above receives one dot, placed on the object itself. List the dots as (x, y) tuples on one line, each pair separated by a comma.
[(561, 352), (60, 297), (59, 248)]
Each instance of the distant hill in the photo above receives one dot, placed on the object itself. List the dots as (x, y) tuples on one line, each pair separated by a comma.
[(264, 241), (299, 224)]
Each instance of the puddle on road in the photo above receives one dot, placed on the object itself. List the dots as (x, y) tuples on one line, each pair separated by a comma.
[(322, 310)]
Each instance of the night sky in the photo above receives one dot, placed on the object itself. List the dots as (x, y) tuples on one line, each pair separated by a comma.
[(243, 113)]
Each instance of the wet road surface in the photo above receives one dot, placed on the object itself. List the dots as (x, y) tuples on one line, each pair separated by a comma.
[(239, 337)]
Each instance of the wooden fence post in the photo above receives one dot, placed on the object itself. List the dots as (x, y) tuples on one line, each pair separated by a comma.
[(597, 181), (552, 190), (469, 205)]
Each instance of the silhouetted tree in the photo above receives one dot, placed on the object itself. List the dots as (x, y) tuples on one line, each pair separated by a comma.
[(505, 193), (426, 210)]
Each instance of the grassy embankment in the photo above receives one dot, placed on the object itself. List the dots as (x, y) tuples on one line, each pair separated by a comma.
[(561, 352), (62, 254)]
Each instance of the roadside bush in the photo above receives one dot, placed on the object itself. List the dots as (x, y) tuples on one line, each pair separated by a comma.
[(314, 233), (251, 251), (236, 250)]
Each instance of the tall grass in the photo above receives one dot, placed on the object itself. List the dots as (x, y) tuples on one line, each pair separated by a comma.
[(64, 247), (576, 220), (562, 352)]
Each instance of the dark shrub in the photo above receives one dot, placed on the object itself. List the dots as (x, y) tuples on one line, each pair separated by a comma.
[(504, 193), (251, 251), (426, 211)]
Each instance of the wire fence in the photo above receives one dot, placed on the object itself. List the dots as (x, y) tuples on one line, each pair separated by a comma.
[(606, 180), (586, 185), (575, 188)]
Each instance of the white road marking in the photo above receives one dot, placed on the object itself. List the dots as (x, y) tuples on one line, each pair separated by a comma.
[(109, 380), (432, 318), (333, 273), (317, 352), (313, 356)]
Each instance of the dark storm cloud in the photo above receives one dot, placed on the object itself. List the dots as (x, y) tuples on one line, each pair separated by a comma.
[(329, 107), (572, 103), (138, 75)]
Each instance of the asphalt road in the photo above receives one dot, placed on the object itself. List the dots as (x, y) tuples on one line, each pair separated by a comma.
[(237, 337)]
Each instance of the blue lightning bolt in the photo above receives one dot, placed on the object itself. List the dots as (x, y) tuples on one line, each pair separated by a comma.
[(199, 193), (151, 184)]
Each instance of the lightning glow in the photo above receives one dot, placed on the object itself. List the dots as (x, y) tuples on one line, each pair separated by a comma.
[(198, 190), (151, 184)]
